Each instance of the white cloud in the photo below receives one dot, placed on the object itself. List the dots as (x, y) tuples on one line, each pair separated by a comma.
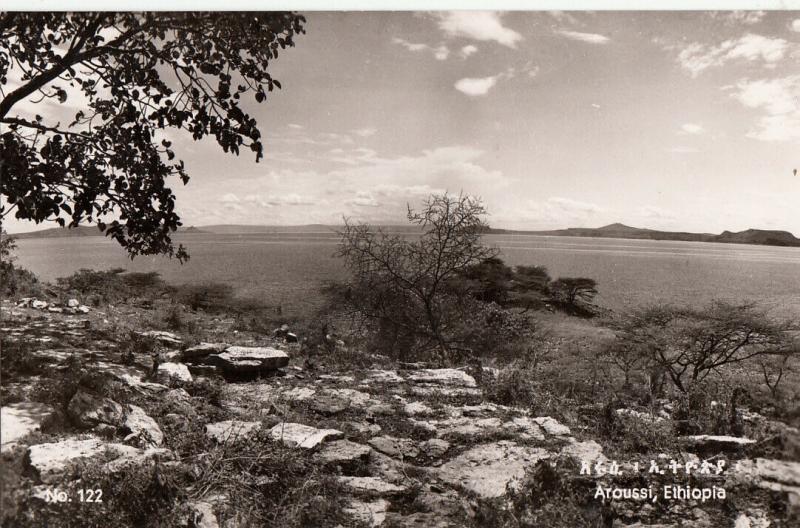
[(365, 132), (440, 52), (478, 25), (558, 212), (468, 50), (779, 99), (295, 126), (592, 38), (229, 198), (697, 57), (692, 129), (364, 199), (796, 25), (747, 18), (476, 87)]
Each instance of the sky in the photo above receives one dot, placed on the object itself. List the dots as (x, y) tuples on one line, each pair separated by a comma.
[(664, 120)]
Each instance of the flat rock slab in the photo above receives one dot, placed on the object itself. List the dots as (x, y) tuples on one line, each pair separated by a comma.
[(382, 376), (50, 461), (395, 447), (166, 338), (447, 376), (303, 436), (243, 360), (487, 469), (371, 513), (329, 404), (231, 430), (19, 420), (343, 453), (552, 426), (370, 486), (171, 370), (777, 475), (716, 442), (590, 452), (203, 350)]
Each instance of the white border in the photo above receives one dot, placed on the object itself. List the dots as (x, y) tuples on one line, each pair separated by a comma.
[(394, 5)]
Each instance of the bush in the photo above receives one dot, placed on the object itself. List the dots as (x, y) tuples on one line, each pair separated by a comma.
[(208, 296), (113, 285)]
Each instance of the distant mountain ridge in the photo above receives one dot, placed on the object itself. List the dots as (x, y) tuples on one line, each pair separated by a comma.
[(617, 230)]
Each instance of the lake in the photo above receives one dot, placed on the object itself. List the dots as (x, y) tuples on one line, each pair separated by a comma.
[(288, 268)]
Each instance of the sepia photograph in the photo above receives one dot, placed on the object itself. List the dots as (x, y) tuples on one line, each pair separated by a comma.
[(367, 267)]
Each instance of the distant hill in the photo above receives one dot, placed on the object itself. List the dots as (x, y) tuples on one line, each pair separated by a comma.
[(80, 231), (616, 230)]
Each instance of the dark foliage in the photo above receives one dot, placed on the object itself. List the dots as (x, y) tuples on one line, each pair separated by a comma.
[(139, 73)]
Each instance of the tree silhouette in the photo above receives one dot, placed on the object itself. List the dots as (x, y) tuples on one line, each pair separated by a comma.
[(133, 76)]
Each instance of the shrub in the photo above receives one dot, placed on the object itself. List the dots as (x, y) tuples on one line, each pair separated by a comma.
[(208, 296)]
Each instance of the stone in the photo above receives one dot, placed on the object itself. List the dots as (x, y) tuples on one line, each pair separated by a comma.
[(203, 350), (525, 428), (435, 447), (357, 398), (73, 303), (21, 419), (38, 305), (176, 371), (382, 376), (360, 428), (201, 515), (417, 409), (343, 453), (552, 426), (419, 520), (776, 475), (752, 519), (83, 309), (249, 360), (141, 426), (395, 447), (487, 469), (231, 430), (50, 461), (370, 486), (328, 404), (89, 410), (165, 338), (446, 376), (298, 393), (580, 452), (55, 309), (716, 442), (467, 426), (303, 436), (371, 513)]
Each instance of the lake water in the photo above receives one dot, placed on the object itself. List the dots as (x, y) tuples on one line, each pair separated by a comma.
[(288, 269)]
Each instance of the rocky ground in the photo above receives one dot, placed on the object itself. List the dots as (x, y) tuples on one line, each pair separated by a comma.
[(409, 447)]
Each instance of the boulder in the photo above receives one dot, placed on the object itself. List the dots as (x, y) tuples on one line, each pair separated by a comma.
[(590, 452), (249, 360), (776, 475), (487, 469), (19, 420), (328, 403), (552, 426), (417, 409), (89, 410), (50, 461), (371, 513), (716, 442), (203, 350), (177, 371), (395, 447), (303, 436), (38, 305), (345, 454), (445, 376), (370, 486), (73, 303), (142, 428), (231, 430), (165, 338), (83, 309), (435, 447)]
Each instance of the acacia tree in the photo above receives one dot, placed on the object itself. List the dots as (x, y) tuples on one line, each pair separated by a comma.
[(691, 344), (405, 282), (133, 75)]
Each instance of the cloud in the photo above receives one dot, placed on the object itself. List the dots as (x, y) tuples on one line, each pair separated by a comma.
[(796, 25), (295, 126), (591, 38), (364, 199), (365, 132), (779, 99), (478, 25), (468, 50), (558, 212), (747, 18), (692, 129), (697, 57), (440, 52), (476, 87)]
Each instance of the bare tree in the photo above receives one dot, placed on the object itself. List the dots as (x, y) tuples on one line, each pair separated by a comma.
[(404, 282)]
